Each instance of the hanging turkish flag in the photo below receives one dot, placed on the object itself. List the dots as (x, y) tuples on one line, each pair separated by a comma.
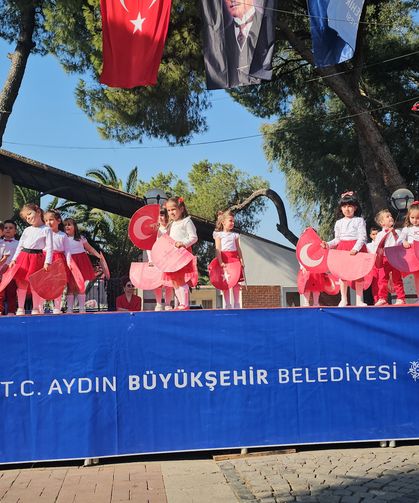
[(133, 37)]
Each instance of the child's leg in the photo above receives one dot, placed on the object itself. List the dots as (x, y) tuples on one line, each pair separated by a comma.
[(343, 293), (398, 285), (182, 294), (168, 295), (359, 293), (158, 295), (70, 302), (316, 296), (236, 296), (82, 301), (306, 299), (226, 295), (37, 303), (57, 304)]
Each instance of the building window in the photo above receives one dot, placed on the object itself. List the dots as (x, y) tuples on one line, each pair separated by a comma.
[(290, 297), (207, 304)]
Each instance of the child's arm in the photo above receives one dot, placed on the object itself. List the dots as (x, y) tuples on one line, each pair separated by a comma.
[(89, 248), (191, 238), (218, 251), (239, 251), (361, 237), (49, 247)]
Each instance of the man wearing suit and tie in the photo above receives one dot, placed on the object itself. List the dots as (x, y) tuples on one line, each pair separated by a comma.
[(239, 37)]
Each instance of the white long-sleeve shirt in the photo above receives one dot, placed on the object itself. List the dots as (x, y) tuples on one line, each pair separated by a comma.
[(350, 229), (8, 249), (409, 234), (184, 231), (391, 240), (36, 238), (76, 246), (61, 244)]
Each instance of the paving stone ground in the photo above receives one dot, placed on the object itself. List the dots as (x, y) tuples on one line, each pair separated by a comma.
[(343, 475)]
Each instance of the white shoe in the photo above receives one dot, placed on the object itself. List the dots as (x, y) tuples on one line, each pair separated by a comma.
[(361, 304), (392, 443), (227, 306), (35, 312), (343, 303), (381, 302), (168, 308), (56, 311), (20, 311), (159, 307), (399, 302), (237, 306)]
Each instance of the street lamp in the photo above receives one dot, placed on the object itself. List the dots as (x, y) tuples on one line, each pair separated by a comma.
[(400, 200), (155, 196)]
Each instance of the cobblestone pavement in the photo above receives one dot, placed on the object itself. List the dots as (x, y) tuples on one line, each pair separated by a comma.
[(338, 475), (328, 476)]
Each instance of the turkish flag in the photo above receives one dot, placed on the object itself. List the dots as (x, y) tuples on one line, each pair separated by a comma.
[(134, 33)]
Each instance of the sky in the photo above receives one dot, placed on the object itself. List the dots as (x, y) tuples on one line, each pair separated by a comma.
[(46, 115)]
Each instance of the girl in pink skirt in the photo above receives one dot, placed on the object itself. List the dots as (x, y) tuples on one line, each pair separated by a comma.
[(79, 247)]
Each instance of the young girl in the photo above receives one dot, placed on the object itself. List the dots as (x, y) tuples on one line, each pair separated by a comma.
[(410, 234), (227, 249), (61, 248), (163, 228), (183, 231), (78, 248), (351, 235), (29, 258)]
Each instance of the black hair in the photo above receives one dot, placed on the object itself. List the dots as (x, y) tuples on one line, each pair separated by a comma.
[(10, 222), (349, 197)]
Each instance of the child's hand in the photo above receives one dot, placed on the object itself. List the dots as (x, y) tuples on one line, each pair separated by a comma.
[(353, 252), (323, 244), (12, 263), (3, 259), (179, 244), (406, 244), (150, 264), (46, 267)]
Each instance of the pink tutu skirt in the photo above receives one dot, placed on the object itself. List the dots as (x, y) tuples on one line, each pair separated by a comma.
[(188, 275), (83, 263)]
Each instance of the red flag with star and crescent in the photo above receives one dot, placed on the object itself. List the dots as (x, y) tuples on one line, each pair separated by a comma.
[(134, 33)]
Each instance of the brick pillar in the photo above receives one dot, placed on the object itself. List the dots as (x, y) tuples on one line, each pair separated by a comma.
[(261, 296)]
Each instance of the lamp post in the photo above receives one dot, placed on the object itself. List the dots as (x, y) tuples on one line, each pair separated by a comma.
[(400, 201), (155, 196)]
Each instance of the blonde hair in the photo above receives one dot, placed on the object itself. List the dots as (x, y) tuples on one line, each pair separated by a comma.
[(413, 206), (31, 207), (222, 215), (380, 214)]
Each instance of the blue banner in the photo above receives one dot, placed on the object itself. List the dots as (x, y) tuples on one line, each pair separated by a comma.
[(334, 28), (100, 385)]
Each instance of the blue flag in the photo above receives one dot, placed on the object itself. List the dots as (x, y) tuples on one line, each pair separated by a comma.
[(334, 27)]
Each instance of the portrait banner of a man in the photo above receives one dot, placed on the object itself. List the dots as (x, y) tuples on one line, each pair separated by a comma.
[(238, 40)]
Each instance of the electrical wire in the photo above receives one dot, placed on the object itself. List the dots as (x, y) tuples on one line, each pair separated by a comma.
[(209, 142)]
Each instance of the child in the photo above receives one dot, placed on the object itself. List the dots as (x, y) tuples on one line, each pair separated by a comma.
[(373, 289), (183, 231), (78, 248), (8, 247), (385, 219), (28, 257), (227, 249), (61, 248), (163, 227), (1, 230), (351, 235), (410, 233)]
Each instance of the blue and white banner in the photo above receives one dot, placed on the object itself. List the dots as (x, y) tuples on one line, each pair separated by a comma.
[(100, 385), (334, 27)]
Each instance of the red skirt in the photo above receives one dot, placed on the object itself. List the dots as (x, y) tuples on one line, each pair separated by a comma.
[(27, 264), (56, 255), (232, 256), (348, 246), (188, 275), (83, 263)]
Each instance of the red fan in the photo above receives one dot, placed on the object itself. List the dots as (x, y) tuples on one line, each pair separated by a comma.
[(49, 284), (7, 277), (349, 267), (77, 276), (403, 259), (309, 252), (331, 284), (226, 277), (167, 257), (145, 276), (142, 229)]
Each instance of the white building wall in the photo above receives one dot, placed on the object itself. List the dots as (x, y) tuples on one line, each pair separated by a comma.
[(268, 263)]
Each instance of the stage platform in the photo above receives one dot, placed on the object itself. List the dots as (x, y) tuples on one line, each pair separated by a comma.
[(113, 384)]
